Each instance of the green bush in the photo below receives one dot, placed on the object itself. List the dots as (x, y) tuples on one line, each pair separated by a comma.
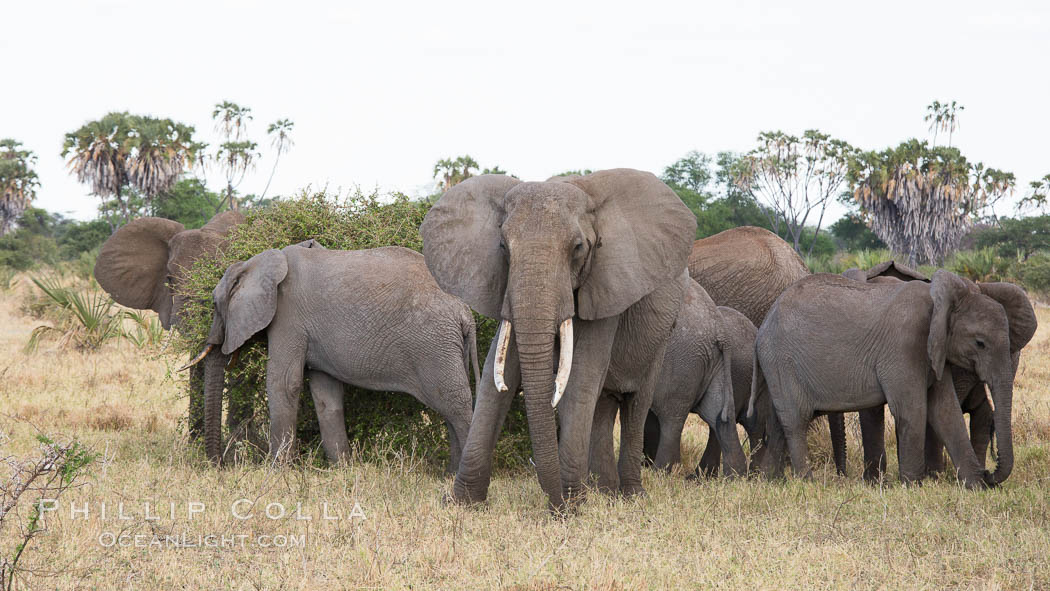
[(378, 423), (982, 264)]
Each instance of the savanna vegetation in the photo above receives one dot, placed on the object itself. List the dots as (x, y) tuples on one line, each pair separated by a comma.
[(89, 395)]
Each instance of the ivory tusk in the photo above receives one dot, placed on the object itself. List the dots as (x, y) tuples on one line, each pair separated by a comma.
[(233, 359), (564, 360), (502, 344), (198, 358)]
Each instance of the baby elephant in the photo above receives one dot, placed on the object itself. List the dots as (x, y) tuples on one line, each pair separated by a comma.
[(697, 376), (832, 344), (374, 319)]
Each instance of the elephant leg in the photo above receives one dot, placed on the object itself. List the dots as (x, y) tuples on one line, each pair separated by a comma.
[(602, 457), (455, 449), (633, 411), (670, 452), (934, 452), (284, 382), (196, 410), (712, 456), (475, 463), (451, 399), (592, 351), (327, 393), (910, 419), (723, 433), (873, 435), (837, 426), (945, 416), (773, 465), (651, 443), (981, 431)]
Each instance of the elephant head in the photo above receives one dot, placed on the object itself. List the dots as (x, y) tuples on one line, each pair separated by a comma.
[(972, 329), (536, 255), (143, 264), (245, 303)]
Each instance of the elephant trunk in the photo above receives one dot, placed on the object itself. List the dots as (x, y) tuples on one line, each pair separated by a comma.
[(214, 374), (1002, 396), (535, 340)]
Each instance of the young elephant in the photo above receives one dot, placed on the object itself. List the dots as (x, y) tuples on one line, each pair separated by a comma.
[(373, 319), (691, 381), (833, 344), (695, 377), (968, 386)]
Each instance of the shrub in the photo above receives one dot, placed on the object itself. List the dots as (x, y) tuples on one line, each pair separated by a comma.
[(377, 422), (979, 265)]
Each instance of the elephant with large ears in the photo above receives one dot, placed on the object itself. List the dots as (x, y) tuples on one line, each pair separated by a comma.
[(969, 387), (832, 344), (697, 376), (747, 268), (374, 319), (585, 271), (143, 265)]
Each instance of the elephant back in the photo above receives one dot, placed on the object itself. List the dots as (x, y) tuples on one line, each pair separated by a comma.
[(746, 269)]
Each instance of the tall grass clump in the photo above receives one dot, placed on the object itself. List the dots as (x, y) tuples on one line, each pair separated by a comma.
[(378, 423)]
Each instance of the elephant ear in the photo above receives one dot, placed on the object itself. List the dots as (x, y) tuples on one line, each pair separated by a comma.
[(1019, 311), (248, 295), (645, 234), (461, 237), (896, 270), (132, 264), (946, 289)]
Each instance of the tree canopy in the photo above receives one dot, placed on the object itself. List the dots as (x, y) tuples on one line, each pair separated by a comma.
[(18, 182)]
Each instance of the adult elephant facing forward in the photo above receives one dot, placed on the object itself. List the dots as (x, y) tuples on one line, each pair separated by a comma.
[(598, 260)]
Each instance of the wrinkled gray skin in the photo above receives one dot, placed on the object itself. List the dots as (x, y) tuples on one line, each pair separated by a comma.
[(374, 319), (697, 376), (747, 268), (143, 265), (833, 344), (968, 386), (607, 250)]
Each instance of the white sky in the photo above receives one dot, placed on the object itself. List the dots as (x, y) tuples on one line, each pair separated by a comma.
[(379, 91)]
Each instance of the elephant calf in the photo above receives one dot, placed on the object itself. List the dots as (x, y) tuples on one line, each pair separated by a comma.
[(708, 363), (833, 344), (373, 319)]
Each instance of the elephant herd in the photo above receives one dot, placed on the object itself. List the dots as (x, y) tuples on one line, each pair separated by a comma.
[(607, 307)]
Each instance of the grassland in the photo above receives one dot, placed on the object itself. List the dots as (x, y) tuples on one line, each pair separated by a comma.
[(831, 532)]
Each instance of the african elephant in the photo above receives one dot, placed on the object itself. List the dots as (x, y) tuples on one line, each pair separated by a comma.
[(747, 268), (696, 376), (374, 319), (832, 344), (598, 260), (143, 265), (969, 388)]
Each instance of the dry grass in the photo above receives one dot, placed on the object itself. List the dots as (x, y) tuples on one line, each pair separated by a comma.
[(828, 533)]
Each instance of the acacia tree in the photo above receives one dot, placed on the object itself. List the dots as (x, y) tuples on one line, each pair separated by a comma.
[(18, 182), (794, 178), (122, 151), (922, 200)]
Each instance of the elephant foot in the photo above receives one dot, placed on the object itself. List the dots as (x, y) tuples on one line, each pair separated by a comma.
[(633, 490), (459, 495)]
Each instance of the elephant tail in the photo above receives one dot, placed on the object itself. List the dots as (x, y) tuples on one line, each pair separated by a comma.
[(728, 398), (758, 382), (470, 343)]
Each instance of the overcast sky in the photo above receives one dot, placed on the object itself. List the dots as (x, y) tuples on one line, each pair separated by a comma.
[(379, 91)]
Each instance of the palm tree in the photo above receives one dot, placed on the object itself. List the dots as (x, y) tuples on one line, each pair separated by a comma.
[(234, 156), (943, 117), (18, 182), (281, 143), (452, 172), (121, 150)]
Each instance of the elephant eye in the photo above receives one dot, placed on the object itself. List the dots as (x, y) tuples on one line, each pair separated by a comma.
[(980, 344)]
